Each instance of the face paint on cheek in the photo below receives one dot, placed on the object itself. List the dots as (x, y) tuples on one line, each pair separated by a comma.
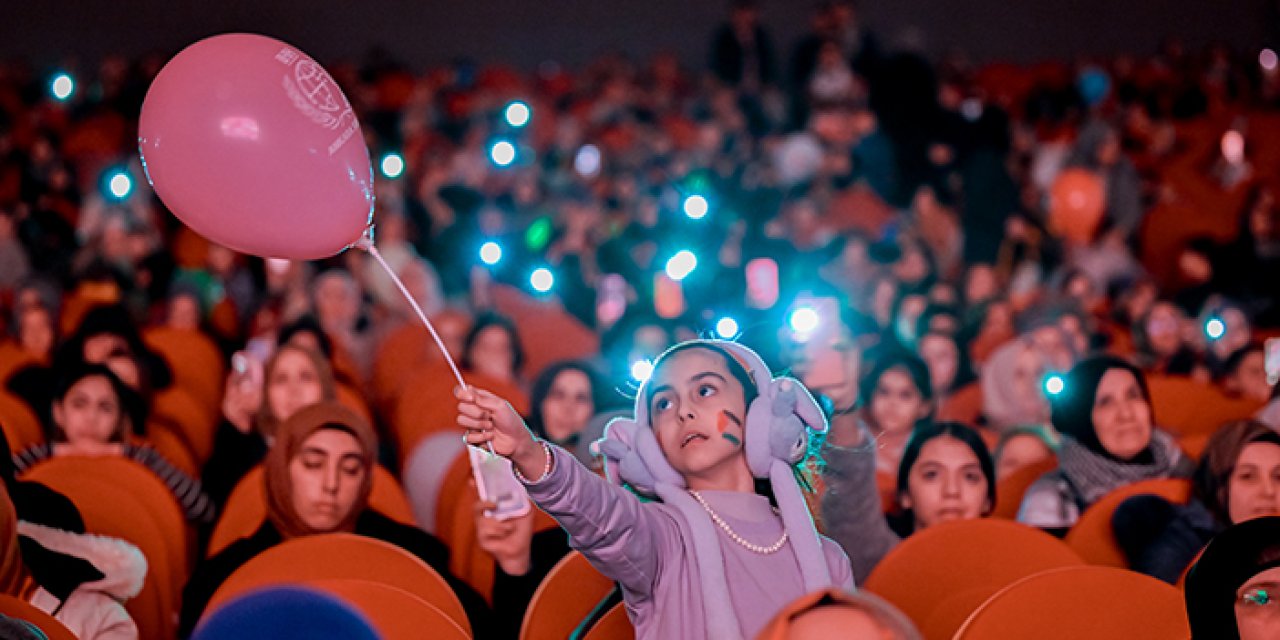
[(722, 423)]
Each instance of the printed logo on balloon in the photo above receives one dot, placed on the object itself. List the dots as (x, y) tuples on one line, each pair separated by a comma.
[(318, 97)]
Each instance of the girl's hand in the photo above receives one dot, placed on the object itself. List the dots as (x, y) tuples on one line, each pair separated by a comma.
[(490, 420)]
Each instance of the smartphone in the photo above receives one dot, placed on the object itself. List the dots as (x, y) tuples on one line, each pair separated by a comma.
[(1271, 360), (823, 351), (496, 482)]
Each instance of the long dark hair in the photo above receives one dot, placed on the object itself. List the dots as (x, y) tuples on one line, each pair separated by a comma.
[(921, 436), (545, 380), (484, 321), (133, 411)]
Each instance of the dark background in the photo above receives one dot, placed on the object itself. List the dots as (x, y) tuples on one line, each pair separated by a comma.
[(525, 32)]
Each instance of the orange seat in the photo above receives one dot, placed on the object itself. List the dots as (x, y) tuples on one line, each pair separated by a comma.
[(547, 331), (427, 405), (246, 507), (887, 487), (986, 554), (405, 349), (194, 358), (1193, 445), (189, 419), (1185, 407), (963, 405), (1011, 488), (15, 608), (394, 613), (161, 436), (1099, 603), (344, 556), (564, 599), (21, 426), (112, 510), (352, 399), (1092, 537), (12, 358), (613, 625)]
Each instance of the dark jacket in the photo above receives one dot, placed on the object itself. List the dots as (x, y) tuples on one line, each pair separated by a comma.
[(1161, 539), (234, 455)]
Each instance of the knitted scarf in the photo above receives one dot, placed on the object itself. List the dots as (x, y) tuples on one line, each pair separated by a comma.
[(1093, 475)]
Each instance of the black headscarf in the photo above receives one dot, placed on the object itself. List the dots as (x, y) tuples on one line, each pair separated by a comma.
[(1230, 560), (1072, 409)]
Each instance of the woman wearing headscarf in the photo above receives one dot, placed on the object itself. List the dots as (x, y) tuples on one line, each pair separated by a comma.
[(1233, 591), (1012, 384), (1109, 440), (318, 476)]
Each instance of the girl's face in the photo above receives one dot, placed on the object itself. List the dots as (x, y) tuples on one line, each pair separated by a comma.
[(946, 483), (292, 384), (325, 477), (698, 411), (90, 412), (492, 355), (568, 405), (1020, 451), (1028, 376), (896, 404), (943, 358), (1254, 487), (1121, 416)]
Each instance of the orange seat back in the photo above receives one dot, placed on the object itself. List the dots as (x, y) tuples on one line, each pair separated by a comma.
[(21, 426), (1011, 488), (613, 625), (394, 613), (564, 599), (246, 507), (162, 437), (12, 358), (405, 349), (547, 332), (957, 556), (428, 405), (351, 398), (342, 556), (1099, 603), (1092, 536), (196, 362), (963, 405), (1184, 406), (187, 418), (15, 608)]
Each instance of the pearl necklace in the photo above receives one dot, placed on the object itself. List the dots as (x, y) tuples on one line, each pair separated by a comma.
[(754, 548)]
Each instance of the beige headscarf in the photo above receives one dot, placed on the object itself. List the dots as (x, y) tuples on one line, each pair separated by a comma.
[(289, 439)]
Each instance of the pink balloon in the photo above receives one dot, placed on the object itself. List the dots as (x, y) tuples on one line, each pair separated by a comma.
[(254, 146)]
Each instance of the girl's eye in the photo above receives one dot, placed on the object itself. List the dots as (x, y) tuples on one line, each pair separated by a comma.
[(706, 390), (661, 404), (973, 477), (929, 474)]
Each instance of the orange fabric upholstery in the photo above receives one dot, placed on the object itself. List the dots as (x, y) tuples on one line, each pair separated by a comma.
[(963, 405), (246, 507), (547, 331), (1099, 603), (195, 360), (343, 556), (1185, 407), (1011, 488), (394, 613), (21, 426), (404, 350), (15, 608), (12, 358), (427, 404), (352, 399), (614, 625), (188, 418), (564, 599), (974, 554), (1092, 536)]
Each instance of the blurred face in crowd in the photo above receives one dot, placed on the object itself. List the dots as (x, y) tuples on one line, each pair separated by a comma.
[(292, 384), (337, 301), (980, 284), (1250, 377), (568, 405), (325, 477), (90, 412), (1020, 451), (1053, 342), (35, 332), (1238, 332), (1164, 329), (492, 353), (1028, 379), (184, 312), (896, 404), (943, 357), (697, 409), (946, 483), (1121, 416), (1256, 617), (1254, 487)]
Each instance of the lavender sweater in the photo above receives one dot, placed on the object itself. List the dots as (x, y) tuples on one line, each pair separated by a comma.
[(647, 548)]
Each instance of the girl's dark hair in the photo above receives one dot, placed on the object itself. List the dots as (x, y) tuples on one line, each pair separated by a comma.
[(1212, 479), (306, 324), (133, 412), (889, 358), (547, 378), (927, 431), (1071, 411), (490, 319)]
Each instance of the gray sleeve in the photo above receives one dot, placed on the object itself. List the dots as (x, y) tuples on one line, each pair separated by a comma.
[(1044, 505), (851, 509)]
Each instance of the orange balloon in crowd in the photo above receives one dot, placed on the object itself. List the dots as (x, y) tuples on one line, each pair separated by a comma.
[(1077, 201)]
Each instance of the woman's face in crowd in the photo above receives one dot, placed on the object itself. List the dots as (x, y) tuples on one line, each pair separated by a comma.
[(568, 405), (698, 411), (896, 403), (1254, 487), (35, 332), (1121, 416), (325, 477), (184, 313), (492, 354), (946, 483), (1164, 329), (1258, 618), (1028, 377), (943, 358), (1020, 451), (337, 301), (90, 412), (292, 384), (1250, 378)]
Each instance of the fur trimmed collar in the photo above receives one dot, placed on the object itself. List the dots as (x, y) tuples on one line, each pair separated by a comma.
[(122, 566)]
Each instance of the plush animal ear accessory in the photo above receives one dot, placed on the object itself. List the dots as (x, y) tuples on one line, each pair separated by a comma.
[(776, 434)]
